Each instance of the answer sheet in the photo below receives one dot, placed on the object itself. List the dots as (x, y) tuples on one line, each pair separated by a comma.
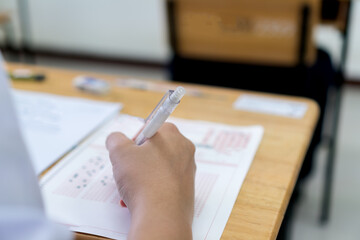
[(52, 125), (81, 193)]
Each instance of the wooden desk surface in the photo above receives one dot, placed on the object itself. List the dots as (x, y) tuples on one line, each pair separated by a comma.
[(265, 193)]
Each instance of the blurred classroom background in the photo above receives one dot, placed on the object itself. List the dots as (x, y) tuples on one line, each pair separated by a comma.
[(297, 47)]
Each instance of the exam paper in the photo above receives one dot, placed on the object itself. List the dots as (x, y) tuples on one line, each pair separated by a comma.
[(52, 125), (81, 193)]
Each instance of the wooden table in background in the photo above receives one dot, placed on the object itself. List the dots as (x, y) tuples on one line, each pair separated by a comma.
[(265, 193)]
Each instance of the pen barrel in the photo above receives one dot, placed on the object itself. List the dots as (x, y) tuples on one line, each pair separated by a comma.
[(159, 115), (159, 118), (140, 139)]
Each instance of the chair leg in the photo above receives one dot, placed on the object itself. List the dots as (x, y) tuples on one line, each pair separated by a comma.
[(329, 171)]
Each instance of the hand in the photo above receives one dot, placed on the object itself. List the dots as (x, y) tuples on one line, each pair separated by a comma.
[(156, 182)]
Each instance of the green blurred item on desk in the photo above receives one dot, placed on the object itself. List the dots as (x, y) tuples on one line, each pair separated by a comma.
[(23, 74)]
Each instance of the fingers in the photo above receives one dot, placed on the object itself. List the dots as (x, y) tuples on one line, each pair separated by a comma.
[(167, 131), (117, 140), (171, 128)]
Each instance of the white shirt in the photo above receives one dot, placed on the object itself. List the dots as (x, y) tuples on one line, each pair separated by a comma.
[(21, 209)]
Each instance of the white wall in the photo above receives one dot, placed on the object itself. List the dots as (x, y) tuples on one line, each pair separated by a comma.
[(134, 29), (352, 68), (115, 28)]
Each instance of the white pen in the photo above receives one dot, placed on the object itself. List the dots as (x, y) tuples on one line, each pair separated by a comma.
[(160, 113)]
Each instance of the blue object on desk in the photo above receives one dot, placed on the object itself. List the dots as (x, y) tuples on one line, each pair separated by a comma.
[(91, 85)]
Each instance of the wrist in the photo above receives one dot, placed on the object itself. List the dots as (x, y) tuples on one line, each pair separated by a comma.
[(162, 220)]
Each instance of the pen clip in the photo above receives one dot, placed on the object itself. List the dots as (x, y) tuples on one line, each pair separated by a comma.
[(151, 115)]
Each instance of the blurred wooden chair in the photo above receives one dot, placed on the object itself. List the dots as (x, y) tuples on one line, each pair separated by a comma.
[(6, 29), (258, 45), (275, 33), (4, 19)]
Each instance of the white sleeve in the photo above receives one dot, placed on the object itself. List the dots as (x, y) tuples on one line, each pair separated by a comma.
[(21, 210)]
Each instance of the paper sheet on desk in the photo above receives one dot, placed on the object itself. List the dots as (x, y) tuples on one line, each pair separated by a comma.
[(270, 105), (81, 192), (52, 125)]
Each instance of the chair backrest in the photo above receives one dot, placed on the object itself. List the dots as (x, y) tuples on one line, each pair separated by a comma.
[(269, 32), (4, 17)]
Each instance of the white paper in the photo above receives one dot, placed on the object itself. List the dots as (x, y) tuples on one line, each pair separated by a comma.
[(80, 191), (52, 125), (268, 105)]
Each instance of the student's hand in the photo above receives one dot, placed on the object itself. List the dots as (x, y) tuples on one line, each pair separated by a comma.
[(156, 182)]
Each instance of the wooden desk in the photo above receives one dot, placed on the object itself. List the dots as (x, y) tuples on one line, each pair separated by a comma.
[(263, 198)]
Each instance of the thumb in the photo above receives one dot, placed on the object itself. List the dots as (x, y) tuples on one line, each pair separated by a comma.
[(117, 140)]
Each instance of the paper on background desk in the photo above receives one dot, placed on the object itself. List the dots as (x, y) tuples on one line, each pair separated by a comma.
[(269, 105), (52, 125), (81, 193)]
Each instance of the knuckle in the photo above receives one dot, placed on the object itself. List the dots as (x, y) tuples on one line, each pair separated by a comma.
[(111, 142), (114, 141), (171, 127), (192, 147)]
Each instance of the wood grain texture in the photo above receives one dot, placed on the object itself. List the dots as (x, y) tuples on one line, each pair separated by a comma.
[(263, 198), (262, 32)]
